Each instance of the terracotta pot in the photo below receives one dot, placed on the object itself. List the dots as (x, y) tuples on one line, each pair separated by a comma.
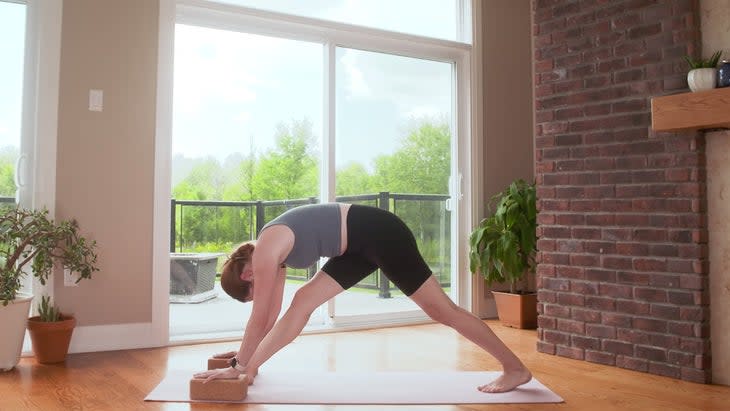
[(51, 339), (517, 310)]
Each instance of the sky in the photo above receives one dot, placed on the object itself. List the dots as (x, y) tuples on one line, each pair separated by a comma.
[(232, 89), (12, 28)]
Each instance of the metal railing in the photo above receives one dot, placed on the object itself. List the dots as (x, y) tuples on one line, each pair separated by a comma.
[(253, 215)]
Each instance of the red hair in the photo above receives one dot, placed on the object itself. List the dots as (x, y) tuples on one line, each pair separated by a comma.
[(231, 281)]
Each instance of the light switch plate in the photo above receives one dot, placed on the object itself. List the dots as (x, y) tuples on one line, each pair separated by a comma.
[(96, 100)]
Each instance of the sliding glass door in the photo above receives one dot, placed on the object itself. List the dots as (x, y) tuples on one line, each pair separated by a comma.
[(271, 111), (12, 50), (393, 151), (247, 126)]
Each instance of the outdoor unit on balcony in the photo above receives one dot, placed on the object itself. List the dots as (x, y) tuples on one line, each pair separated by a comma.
[(192, 277)]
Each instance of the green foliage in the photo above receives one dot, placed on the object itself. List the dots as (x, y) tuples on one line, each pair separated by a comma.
[(354, 179), (421, 165), (290, 170), (704, 63), (502, 248), (31, 238), (48, 312), (8, 157)]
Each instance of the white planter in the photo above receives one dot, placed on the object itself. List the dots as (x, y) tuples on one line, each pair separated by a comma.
[(702, 79), (13, 320)]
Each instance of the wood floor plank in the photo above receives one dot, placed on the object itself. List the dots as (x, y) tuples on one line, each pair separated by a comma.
[(120, 380)]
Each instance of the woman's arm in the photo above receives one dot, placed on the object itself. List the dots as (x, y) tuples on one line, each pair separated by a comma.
[(266, 308), (273, 245)]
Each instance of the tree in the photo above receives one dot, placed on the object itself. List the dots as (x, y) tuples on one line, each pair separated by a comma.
[(421, 165), (8, 157), (354, 179), (290, 170)]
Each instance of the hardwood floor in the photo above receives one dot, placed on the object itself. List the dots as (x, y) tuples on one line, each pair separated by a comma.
[(120, 380)]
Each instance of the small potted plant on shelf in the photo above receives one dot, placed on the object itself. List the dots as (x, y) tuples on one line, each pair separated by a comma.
[(32, 243), (703, 72), (50, 332), (502, 249)]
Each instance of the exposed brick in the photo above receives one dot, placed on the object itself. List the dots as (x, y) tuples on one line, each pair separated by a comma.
[(616, 320), (665, 341), (546, 348), (600, 357), (570, 326), (554, 337), (635, 364), (696, 375), (650, 324), (554, 310), (600, 303), (547, 296), (590, 316), (682, 329), (615, 291), (651, 353), (578, 300), (628, 277), (681, 359), (668, 312), (600, 331), (570, 352), (632, 336), (617, 347), (650, 294), (632, 307), (623, 232), (664, 369)]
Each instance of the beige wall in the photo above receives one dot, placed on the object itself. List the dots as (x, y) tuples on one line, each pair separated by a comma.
[(715, 21), (508, 102), (105, 159)]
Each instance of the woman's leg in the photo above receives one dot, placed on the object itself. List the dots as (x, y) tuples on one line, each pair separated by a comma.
[(432, 299), (311, 295)]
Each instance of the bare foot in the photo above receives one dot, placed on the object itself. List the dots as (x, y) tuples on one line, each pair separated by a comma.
[(508, 381)]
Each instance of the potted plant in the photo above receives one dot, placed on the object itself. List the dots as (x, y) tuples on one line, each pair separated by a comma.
[(50, 332), (30, 240), (502, 248), (703, 72)]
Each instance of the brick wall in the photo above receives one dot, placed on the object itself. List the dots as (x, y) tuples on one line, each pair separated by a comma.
[(622, 273)]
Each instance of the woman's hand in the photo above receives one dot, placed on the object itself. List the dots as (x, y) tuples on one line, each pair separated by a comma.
[(221, 373)]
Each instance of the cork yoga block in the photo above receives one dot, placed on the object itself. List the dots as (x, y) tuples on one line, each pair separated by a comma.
[(219, 390), (216, 363)]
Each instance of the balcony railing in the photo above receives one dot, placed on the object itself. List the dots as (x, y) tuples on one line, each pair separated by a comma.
[(231, 222)]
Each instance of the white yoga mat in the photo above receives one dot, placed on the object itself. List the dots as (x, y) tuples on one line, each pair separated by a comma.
[(447, 387)]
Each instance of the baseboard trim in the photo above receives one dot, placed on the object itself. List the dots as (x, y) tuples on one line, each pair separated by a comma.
[(114, 337)]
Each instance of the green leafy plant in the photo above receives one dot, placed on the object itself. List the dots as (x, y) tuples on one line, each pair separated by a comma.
[(502, 248), (29, 238), (47, 311), (703, 63)]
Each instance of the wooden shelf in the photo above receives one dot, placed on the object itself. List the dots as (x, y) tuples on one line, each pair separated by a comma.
[(691, 111)]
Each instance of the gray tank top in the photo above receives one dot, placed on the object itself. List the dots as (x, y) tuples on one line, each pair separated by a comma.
[(316, 228)]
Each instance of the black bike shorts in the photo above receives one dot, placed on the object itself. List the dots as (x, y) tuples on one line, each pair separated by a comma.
[(377, 238)]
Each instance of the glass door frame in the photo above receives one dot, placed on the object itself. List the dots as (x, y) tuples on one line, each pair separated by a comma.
[(331, 35)]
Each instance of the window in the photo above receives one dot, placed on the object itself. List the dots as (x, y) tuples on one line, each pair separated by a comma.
[(441, 19), (12, 50), (270, 110)]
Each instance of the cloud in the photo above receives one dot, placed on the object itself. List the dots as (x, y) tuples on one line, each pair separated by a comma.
[(414, 86)]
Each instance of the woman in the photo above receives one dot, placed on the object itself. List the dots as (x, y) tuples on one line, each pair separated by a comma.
[(358, 240)]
